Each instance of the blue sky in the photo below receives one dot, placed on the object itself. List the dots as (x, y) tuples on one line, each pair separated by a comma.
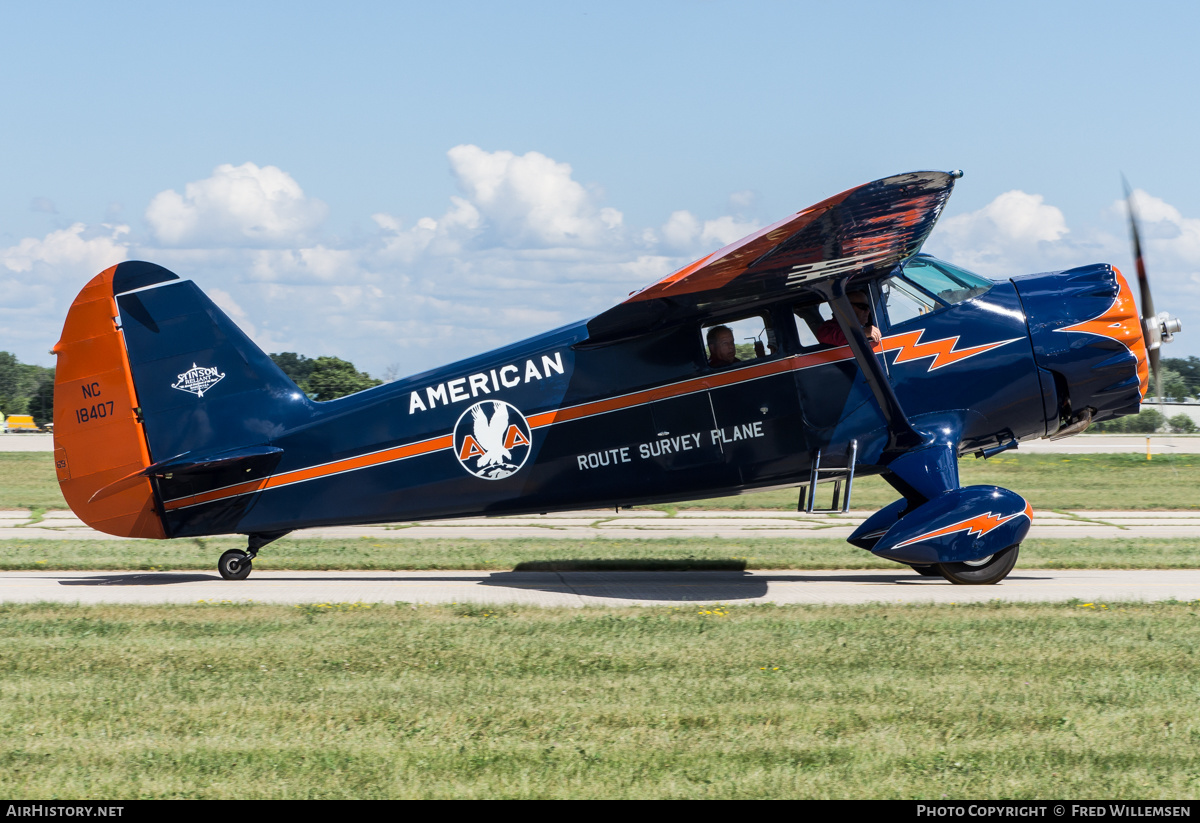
[(406, 184)]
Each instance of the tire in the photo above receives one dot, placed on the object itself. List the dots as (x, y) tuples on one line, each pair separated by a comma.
[(234, 565), (931, 570), (981, 573)]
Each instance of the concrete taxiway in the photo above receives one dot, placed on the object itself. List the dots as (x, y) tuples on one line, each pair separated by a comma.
[(594, 588)]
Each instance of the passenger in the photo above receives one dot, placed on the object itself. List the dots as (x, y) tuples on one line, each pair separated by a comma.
[(721, 351), (830, 332)]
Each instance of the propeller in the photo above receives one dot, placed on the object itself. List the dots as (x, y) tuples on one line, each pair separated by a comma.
[(1156, 328)]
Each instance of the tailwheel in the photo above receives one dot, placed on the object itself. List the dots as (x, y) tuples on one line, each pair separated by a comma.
[(235, 564), (982, 572)]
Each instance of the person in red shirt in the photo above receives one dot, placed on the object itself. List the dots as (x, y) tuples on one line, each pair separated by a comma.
[(830, 333)]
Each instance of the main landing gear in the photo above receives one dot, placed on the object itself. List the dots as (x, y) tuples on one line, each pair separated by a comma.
[(982, 572), (236, 564)]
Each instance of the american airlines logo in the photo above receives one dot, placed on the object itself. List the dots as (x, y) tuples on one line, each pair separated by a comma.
[(492, 439)]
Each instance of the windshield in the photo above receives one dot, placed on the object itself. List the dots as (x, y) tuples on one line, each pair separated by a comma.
[(926, 284), (947, 282)]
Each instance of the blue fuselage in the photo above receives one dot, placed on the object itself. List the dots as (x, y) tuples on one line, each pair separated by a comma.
[(561, 421)]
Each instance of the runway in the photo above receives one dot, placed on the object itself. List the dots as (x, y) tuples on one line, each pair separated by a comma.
[(575, 589)]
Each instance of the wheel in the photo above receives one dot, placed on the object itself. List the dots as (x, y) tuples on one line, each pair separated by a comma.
[(983, 572), (234, 565), (928, 571)]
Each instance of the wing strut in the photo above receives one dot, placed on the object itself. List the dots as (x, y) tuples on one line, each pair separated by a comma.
[(901, 435)]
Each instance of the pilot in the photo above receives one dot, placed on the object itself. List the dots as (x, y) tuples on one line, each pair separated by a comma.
[(721, 351), (830, 333)]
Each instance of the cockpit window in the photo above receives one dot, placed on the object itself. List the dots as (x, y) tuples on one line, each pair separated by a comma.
[(949, 283), (926, 285)]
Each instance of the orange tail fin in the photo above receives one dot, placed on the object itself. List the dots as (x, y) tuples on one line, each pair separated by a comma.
[(98, 437)]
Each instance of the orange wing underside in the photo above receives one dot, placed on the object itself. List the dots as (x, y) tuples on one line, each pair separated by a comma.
[(871, 232), (98, 439)]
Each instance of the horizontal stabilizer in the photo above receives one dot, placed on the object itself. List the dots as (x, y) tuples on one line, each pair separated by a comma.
[(251, 460)]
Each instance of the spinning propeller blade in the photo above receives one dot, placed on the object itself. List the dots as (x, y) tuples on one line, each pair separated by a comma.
[(1156, 328)]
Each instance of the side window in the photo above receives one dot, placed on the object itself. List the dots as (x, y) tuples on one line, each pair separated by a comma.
[(816, 328), (739, 341), (809, 318), (903, 302)]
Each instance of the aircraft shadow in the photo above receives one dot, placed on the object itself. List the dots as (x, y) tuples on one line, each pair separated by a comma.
[(169, 578), (140, 579), (651, 586), (686, 587)]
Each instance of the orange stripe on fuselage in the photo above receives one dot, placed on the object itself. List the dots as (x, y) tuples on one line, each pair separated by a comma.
[(536, 421), (540, 420), (362, 461)]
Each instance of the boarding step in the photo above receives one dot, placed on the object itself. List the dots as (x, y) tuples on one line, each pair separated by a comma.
[(836, 476)]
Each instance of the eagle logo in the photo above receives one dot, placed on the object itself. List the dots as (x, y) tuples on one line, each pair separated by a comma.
[(492, 439)]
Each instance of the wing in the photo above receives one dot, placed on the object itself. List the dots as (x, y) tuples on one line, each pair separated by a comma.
[(858, 233)]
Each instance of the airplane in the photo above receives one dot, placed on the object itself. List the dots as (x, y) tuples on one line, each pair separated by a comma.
[(860, 356)]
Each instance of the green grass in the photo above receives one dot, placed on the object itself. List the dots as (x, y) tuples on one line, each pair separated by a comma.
[(348, 701), (1097, 482), (1049, 481), (27, 481), (551, 554)]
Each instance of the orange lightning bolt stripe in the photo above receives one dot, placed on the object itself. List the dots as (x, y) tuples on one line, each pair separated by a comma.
[(1120, 322), (978, 525), (942, 351)]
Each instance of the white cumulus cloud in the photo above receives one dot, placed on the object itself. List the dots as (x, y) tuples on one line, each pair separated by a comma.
[(1003, 236), (1165, 231), (521, 247), (530, 200), (69, 251), (242, 206), (687, 234)]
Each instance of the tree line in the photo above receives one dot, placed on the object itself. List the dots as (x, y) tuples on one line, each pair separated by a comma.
[(29, 389), (323, 378), (26, 389)]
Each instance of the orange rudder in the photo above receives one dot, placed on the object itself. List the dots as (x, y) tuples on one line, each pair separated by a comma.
[(98, 439)]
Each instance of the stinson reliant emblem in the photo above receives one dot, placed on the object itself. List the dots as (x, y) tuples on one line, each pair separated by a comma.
[(198, 380)]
